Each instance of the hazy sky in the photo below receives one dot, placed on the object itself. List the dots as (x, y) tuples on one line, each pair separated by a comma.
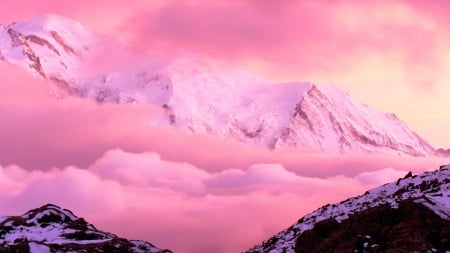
[(196, 193)]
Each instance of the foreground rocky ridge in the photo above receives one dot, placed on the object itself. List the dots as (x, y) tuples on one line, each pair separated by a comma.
[(411, 227), (410, 215), (56, 230), (203, 95)]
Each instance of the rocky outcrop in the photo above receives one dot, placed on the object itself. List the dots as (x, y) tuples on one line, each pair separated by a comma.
[(409, 215), (443, 152), (52, 229), (411, 227)]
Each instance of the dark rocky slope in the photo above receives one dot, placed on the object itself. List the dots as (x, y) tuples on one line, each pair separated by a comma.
[(409, 215), (411, 227)]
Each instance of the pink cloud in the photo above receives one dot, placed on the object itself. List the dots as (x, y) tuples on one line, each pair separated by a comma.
[(307, 40), (302, 37), (59, 133), (310, 36), (101, 15)]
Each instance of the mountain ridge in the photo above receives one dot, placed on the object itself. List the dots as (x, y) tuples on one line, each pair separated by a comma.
[(205, 96), (430, 190)]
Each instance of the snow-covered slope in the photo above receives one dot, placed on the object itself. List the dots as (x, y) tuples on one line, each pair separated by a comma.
[(430, 190), (53, 229), (49, 46), (204, 95)]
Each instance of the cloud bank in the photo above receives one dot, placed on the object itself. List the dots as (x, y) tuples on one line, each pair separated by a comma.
[(177, 205)]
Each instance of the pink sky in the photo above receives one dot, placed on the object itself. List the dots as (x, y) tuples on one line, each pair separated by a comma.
[(203, 194)]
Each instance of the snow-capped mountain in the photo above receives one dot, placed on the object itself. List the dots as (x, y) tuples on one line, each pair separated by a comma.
[(204, 95), (410, 215), (53, 229)]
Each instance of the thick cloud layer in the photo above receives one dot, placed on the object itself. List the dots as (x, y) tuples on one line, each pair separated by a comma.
[(178, 205)]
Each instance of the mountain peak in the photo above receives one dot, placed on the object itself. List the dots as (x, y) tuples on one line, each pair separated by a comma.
[(48, 18), (51, 228), (206, 96), (49, 22), (49, 212)]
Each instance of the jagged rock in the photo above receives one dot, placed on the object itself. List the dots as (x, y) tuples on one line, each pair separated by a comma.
[(411, 227)]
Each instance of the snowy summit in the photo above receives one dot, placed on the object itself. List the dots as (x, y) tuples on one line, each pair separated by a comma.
[(204, 95)]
